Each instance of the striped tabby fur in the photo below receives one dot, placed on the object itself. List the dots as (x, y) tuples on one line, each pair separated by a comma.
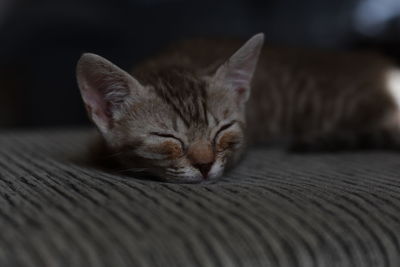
[(186, 114)]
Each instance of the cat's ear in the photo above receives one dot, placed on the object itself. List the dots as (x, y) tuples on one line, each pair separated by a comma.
[(237, 72), (105, 88)]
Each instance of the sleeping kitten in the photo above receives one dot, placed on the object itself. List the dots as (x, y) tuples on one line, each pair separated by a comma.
[(186, 115)]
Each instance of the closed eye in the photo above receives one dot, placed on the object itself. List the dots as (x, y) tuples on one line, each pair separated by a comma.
[(165, 135), (223, 128)]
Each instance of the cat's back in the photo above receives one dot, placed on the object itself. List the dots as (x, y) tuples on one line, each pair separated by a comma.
[(297, 90), (301, 92), (200, 53)]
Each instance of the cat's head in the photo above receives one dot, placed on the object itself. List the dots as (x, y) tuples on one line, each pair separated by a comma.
[(179, 125)]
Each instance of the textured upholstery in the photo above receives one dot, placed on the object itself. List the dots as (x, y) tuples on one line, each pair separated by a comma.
[(275, 209)]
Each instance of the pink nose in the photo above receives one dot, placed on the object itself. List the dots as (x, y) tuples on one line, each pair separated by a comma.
[(204, 168)]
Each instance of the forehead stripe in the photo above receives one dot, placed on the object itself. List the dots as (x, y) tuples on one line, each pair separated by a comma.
[(185, 93)]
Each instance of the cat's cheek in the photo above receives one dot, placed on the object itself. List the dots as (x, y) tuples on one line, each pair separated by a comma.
[(231, 156), (217, 170), (229, 141), (167, 150), (182, 175), (171, 149)]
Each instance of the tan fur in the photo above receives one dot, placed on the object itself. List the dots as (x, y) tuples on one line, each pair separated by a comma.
[(171, 149), (227, 140)]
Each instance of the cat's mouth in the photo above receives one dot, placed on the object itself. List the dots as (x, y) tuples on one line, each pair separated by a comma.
[(186, 179), (173, 172), (194, 175)]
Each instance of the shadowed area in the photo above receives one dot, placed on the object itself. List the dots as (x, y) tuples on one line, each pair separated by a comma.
[(43, 40)]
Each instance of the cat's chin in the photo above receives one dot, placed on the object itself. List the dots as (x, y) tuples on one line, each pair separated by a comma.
[(185, 180), (198, 179), (189, 181)]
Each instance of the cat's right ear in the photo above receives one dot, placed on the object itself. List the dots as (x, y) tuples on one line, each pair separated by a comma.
[(237, 72), (105, 89)]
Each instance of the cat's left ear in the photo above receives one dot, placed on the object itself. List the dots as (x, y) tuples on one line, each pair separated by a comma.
[(237, 72), (106, 89)]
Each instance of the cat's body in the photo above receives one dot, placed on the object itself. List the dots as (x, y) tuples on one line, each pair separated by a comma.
[(300, 95), (197, 103)]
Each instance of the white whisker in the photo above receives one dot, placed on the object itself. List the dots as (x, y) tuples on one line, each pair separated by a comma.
[(175, 170)]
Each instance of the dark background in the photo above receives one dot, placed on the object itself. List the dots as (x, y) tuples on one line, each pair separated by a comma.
[(41, 40)]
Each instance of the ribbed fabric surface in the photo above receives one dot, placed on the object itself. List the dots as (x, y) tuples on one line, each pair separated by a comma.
[(275, 209)]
